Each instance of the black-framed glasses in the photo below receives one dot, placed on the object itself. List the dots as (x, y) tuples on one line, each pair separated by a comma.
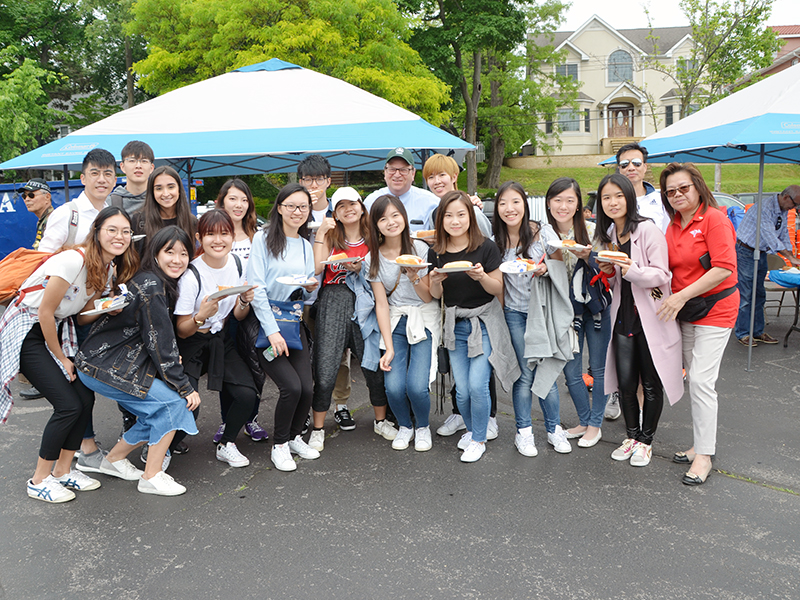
[(637, 162), (303, 208), (401, 170), (317, 180), (145, 162), (681, 188)]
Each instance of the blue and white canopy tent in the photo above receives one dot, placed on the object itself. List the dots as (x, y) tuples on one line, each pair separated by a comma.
[(759, 124), (262, 118)]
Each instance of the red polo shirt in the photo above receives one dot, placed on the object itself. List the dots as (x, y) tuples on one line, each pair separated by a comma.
[(710, 232)]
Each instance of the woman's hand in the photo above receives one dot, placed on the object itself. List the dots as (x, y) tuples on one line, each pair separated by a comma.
[(69, 367), (311, 285), (582, 253), (476, 202), (607, 268), (386, 360), (476, 272), (247, 297), (624, 264), (278, 344), (539, 269), (193, 401), (668, 311), (354, 266), (437, 277), (208, 308), (327, 224)]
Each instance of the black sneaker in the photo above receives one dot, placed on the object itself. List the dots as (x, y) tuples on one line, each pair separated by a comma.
[(345, 421), (306, 426), (31, 393), (180, 448)]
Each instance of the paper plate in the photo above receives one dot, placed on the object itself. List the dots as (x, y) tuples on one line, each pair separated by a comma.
[(510, 268), (100, 311), (239, 289), (293, 280), (560, 244), (336, 261), (454, 269)]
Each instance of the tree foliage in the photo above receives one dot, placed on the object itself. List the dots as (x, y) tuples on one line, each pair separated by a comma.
[(359, 41)]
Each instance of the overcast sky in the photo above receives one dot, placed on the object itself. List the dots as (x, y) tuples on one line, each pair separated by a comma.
[(664, 13)]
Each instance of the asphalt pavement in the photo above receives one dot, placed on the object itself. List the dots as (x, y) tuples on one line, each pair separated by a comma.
[(365, 521)]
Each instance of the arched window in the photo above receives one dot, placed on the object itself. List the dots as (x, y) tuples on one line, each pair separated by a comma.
[(620, 66)]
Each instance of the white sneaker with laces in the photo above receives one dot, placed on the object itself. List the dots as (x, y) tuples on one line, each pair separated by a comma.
[(524, 442), (451, 425), (160, 484), (642, 455), (49, 490), (385, 429), (404, 436), (282, 458), (613, 410), (626, 450), (558, 440), (465, 441), (303, 450), (317, 440), (230, 454), (473, 452), (422, 440), (492, 430), (75, 480), (123, 469)]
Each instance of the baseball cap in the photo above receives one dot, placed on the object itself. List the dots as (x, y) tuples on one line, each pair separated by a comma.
[(403, 153), (36, 184), (344, 193)]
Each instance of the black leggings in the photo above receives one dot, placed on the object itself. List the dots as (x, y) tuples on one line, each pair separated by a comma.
[(292, 374), (634, 361), (72, 402)]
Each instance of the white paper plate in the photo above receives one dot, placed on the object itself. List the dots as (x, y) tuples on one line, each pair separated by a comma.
[(454, 269), (239, 289), (313, 225), (603, 259), (424, 264), (100, 311), (336, 261), (138, 237), (427, 237), (510, 268), (560, 244), (293, 280)]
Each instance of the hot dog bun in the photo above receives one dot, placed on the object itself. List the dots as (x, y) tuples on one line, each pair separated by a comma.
[(408, 259), (458, 264), (569, 243), (426, 233), (612, 255), (338, 256)]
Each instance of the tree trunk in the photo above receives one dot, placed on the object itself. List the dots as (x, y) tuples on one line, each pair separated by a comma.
[(497, 145), (129, 70), (471, 125)]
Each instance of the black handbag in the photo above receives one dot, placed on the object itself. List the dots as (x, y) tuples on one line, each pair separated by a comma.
[(698, 307)]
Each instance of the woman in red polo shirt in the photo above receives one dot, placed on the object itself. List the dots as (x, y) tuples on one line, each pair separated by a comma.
[(702, 258)]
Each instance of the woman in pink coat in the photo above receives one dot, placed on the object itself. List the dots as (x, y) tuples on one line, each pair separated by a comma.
[(642, 347)]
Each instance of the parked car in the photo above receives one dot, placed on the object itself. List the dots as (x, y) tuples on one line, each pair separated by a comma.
[(727, 200), (750, 197)]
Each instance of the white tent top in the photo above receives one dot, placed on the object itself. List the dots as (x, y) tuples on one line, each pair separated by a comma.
[(261, 118)]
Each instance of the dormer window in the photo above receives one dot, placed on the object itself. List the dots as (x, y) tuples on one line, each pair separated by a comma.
[(620, 67)]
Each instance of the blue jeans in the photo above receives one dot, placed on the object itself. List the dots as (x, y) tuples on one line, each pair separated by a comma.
[(521, 393), (597, 341), (472, 380), (160, 412), (407, 383), (744, 267)]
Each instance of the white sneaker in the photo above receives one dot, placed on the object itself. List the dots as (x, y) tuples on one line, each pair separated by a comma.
[(641, 456), (303, 450), (282, 458), (558, 440), (123, 469), (50, 490), (317, 440), (404, 436), (465, 441), (384, 429), (75, 480), (452, 424), (613, 410), (422, 441), (160, 484), (473, 452), (626, 450), (524, 442), (491, 429), (230, 454)]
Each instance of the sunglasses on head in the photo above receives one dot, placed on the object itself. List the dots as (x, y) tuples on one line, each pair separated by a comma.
[(637, 162)]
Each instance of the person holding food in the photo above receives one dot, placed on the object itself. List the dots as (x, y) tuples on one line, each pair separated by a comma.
[(281, 265), (133, 358), (643, 348), (702, 258), (565, 215), (203, 306), (407, 317), (468, 279), (339, 248), (524, 246), (37, 339)]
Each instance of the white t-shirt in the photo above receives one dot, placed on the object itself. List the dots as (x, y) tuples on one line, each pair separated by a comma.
[(189, 299), (69, 266), (404, 294), (57, 230), (242, 250)]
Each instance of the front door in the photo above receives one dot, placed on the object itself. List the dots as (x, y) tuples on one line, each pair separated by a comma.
[(620, 120)]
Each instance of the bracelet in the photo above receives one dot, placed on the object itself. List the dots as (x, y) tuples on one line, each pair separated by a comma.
[(198, 322), (243, 304), (316, 242), (417, 280)]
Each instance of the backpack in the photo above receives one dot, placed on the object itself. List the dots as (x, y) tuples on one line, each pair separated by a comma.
[(736, 214)]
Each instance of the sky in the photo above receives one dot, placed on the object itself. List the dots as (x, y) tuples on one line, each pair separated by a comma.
[(664, 13)]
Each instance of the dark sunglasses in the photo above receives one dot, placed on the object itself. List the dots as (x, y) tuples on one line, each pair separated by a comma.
[(681, 188), (29, 195), (637, 162)]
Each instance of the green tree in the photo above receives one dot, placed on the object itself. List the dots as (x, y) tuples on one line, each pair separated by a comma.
[(730, 39), (359, 41)]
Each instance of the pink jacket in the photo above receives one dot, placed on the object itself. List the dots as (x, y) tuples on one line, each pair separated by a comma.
[(648, 275)]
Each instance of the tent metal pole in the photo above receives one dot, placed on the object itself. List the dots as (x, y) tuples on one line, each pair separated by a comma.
[(756, 255), (66, 184)]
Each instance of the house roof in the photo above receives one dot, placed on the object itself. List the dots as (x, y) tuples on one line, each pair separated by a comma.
[(667, 37), (782, 30)]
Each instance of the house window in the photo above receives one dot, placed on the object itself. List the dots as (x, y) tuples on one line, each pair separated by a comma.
[(569, 120), (548, 125), (620, 67), (568, 70), (692, 108), (587, 122), (669, 117)]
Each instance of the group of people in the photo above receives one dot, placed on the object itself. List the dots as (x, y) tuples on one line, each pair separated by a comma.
[(409, 282)]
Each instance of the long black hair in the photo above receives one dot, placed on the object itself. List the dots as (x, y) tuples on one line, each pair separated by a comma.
[(275, 237), (500, 229), (376, 239), (151, 211), (632, 217), (166, 238), (578, 222)]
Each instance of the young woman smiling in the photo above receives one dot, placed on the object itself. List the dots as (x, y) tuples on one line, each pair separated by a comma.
[(642, 348), (166, 203)]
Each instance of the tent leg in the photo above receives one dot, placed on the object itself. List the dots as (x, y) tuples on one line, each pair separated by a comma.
[(66, 184), (756, 256)]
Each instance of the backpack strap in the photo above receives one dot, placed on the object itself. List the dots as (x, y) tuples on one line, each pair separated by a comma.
[(73, 223), (238, 261), (35, 288), (196, 273)]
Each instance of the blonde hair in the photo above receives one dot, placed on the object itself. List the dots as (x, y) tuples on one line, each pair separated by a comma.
[(439, 163)]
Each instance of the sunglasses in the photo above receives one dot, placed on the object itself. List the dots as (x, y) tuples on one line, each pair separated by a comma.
[(637, 162), (29, 195), (681, 188)]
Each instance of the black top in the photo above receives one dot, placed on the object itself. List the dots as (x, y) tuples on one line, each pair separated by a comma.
[(628, 321), (459, 288)]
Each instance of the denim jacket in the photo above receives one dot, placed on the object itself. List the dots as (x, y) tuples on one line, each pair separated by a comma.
[(366, 319), (129, 350)]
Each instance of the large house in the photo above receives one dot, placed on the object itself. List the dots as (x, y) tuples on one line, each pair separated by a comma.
[(787, 56), (617, 94)]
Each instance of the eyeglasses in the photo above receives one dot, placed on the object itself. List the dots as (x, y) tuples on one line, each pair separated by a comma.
[(401, 170), (303, 208), (317, 180), (114, 232), (637, 162), (681, 188), (133, 161), (30, 195)]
